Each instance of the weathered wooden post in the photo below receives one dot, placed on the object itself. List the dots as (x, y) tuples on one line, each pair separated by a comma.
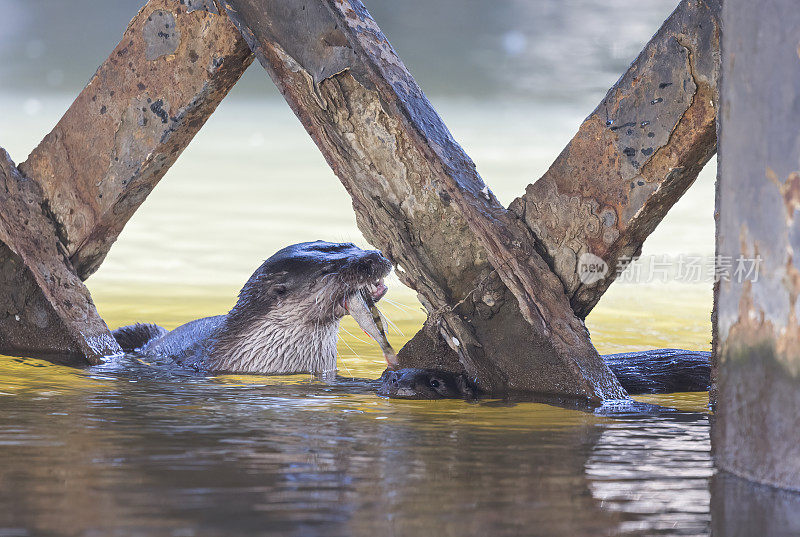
[(418, 198), (757, 381), (631, 160), (79, 187)]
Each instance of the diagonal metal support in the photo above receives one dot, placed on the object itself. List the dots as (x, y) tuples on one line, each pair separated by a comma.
[(418, 197), (630, 161), (173, 66), (633, 157), (79, 187), (45, 307)]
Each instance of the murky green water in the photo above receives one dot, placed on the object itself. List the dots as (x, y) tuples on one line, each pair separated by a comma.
[(127, 449)]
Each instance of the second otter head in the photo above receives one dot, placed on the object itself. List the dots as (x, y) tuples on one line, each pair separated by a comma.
[(313, 280), (412, 383)]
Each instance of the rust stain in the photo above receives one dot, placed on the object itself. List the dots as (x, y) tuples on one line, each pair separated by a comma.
[(752, 328), (789, 189), (133, 119)]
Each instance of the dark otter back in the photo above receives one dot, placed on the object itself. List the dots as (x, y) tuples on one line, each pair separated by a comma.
[(662, 370), (188, 344)]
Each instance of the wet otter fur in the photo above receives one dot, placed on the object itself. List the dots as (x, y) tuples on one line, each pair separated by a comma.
[(286, 319), (411, 383)]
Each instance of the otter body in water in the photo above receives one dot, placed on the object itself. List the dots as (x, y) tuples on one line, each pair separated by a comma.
[(655, 371), (285, 321)]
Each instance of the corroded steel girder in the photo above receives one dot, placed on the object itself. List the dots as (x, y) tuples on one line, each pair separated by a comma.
[(417, 196), (633, 157), (174, 64), (630, 161), (79, 187), (45, 307)]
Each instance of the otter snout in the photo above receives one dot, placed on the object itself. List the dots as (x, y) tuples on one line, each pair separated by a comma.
[(413, 383), (371, 268), (372, 265), (374, 262)]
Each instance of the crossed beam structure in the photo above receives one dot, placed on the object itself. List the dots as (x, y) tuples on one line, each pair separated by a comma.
[(500, 284)]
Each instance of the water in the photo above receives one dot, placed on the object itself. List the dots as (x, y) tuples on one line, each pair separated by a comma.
[(128, 449)]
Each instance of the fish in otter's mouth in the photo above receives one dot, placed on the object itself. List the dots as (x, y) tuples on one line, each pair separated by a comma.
[(293, 304), (286, 319)]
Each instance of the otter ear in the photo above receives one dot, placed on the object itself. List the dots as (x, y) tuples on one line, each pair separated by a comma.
[(465, 387)]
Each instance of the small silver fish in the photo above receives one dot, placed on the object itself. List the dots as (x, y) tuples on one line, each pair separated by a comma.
[(369, 318)]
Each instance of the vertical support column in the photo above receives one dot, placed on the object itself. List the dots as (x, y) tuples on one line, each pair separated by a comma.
[(757, 337)]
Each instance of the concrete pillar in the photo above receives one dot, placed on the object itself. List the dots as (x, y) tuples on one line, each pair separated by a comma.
[(757, 338)]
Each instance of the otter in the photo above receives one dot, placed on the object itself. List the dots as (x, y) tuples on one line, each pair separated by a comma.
[(644, 372), (285, 321), (413, 383)]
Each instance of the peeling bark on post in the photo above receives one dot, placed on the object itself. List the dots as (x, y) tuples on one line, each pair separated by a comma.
[(417, 196), (46, 309), (632, 158), (757, 344), (143, 106)]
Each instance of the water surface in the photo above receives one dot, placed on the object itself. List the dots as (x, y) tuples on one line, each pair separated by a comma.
[(125, 449)]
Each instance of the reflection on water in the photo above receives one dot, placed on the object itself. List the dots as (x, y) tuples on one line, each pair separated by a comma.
[(128, 449), (743, 509), (673, 455)]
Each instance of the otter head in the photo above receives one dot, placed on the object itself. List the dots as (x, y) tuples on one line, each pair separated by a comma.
[(287, 317), (312, 281), (411, 383)]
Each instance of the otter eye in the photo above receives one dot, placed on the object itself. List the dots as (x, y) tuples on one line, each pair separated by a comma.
[(279, 290), (434, 383)]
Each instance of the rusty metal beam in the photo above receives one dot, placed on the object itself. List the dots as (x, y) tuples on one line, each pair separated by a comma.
[(418, 197), (174, 64), (633, 157), (630, 161), (79, 187), (45, 309)]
